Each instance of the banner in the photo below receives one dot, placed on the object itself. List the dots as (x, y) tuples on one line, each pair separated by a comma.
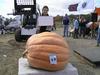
[(73, 7), (83, 5)]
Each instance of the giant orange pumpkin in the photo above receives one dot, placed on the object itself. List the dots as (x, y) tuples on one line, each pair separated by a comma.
[(48, 51)]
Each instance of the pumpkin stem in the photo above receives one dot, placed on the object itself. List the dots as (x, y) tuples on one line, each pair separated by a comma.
[(25, 52)]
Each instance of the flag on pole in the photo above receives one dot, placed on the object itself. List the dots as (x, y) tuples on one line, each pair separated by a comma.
[(73, 7), (82, 5)]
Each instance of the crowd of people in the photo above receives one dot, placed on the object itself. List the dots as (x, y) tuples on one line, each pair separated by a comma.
[(81, 28)]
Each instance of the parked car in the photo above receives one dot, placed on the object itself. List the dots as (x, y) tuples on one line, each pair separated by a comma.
[(12, 26)]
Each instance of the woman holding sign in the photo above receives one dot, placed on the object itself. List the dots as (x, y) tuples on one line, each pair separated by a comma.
[(44, 13)]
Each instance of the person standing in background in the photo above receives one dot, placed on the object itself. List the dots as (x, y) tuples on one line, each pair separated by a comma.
[(76, 28), (66, 25), (98, 36), (82, 27)]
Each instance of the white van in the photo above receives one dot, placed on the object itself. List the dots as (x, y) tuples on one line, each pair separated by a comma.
[(12, 26)]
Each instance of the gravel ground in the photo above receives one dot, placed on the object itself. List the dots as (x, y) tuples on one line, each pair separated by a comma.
[(11, 51)]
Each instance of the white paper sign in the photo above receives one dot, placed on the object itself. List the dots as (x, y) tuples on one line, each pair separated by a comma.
[(53, 59), (45, 21)]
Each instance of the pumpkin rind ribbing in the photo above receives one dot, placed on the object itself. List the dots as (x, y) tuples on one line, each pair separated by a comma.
[(40, 46)]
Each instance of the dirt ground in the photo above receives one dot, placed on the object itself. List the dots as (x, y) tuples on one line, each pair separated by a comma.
[(11, 51)]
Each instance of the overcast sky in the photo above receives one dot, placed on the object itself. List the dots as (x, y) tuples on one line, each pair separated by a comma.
[(56, 6)]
